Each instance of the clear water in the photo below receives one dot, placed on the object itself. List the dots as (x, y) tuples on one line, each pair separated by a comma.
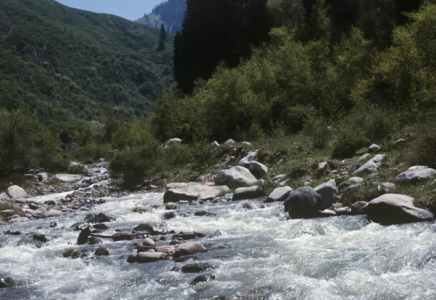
[(266, 256)]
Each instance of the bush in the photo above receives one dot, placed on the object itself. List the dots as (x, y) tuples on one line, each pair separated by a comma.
[(421, 150)]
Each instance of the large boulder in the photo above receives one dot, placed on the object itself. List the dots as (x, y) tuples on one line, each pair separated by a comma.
[(413, 175), (391, 209), (193, 191), (279, 194), (188, 249), (251, 192), (246, 161), (303, 203), (371, 166), (328, 192), (14, 191), (258, 170), (235, 177)]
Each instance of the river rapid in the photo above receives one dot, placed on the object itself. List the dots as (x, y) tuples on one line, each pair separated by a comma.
[(260, 255)]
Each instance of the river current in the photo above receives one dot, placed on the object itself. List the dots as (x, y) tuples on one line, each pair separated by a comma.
[(262, 256)]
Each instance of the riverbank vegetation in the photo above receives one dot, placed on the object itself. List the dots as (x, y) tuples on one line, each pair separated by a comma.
[(332, 78)]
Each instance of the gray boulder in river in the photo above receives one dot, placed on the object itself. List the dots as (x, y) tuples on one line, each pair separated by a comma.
[(303, 203), (328, 192), (392, 209), (235, 177), (279, 194)]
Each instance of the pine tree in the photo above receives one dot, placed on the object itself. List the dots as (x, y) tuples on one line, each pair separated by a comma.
[(162, 38)]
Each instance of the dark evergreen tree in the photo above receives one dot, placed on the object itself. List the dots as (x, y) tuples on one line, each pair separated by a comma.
[(162, 38), (217, 31)]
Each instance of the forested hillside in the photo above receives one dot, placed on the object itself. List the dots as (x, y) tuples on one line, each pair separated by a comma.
[(65, 63), (170, 13)]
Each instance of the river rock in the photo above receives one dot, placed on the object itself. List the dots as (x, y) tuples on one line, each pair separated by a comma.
[(188, 248), (235, 177), (14, 191), (102, 251), (68, 177), (147, 226), (251, 192), (52, 213), (371, 166), (328, 192), (279, 194), (98, 218), (391, 209), (72, 253), (196, 267), (148, 257), (7, 213), (304, 203), (6, 282), (193, 191), (416, 175), (40, 237), (18, 219), (246, 161), (203, 278), (258, 170)]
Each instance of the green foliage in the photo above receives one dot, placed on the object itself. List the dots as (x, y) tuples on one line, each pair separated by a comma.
[(421, 147), (66, 63), (24, 142)]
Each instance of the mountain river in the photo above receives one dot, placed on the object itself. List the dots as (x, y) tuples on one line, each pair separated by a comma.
[(262, 255)]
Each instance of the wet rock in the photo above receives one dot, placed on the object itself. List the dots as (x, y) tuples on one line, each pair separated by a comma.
[(188, 236), (6, 282), (169, 215), (247, 206), (252, 192), (171, 206), (328, 192), (371, 166), (148, 242), (94, 241), (16, 192), (196, 267), (414, 175), (327, 213), (140, 210), (124, 236), (40, 237), (10, 232), (146, 257), (304, 203), (52, 213), (391, 209), (98, 218), (203, 213), (83, 236), (342, 211), (203, 278), (102, 251), (53, 224), (68, 177), (189, 249), (192, 192), (148, 227), (100, 226), (71, 253), (279, 194), (235, 177)]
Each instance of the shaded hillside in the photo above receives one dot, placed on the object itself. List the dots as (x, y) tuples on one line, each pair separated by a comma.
[(170, 13), (64, 62)]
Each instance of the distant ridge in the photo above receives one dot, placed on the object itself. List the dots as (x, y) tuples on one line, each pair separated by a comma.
[(170, 13)]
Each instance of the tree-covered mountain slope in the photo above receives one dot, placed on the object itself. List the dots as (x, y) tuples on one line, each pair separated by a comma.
[(170, 13), (64, 62)]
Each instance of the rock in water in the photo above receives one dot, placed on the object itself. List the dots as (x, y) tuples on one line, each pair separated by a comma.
[(328, 192), (303, 203), (16, 192), (251, 192), (279, 194), (83, 236), (392, 209), (235, 177)]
